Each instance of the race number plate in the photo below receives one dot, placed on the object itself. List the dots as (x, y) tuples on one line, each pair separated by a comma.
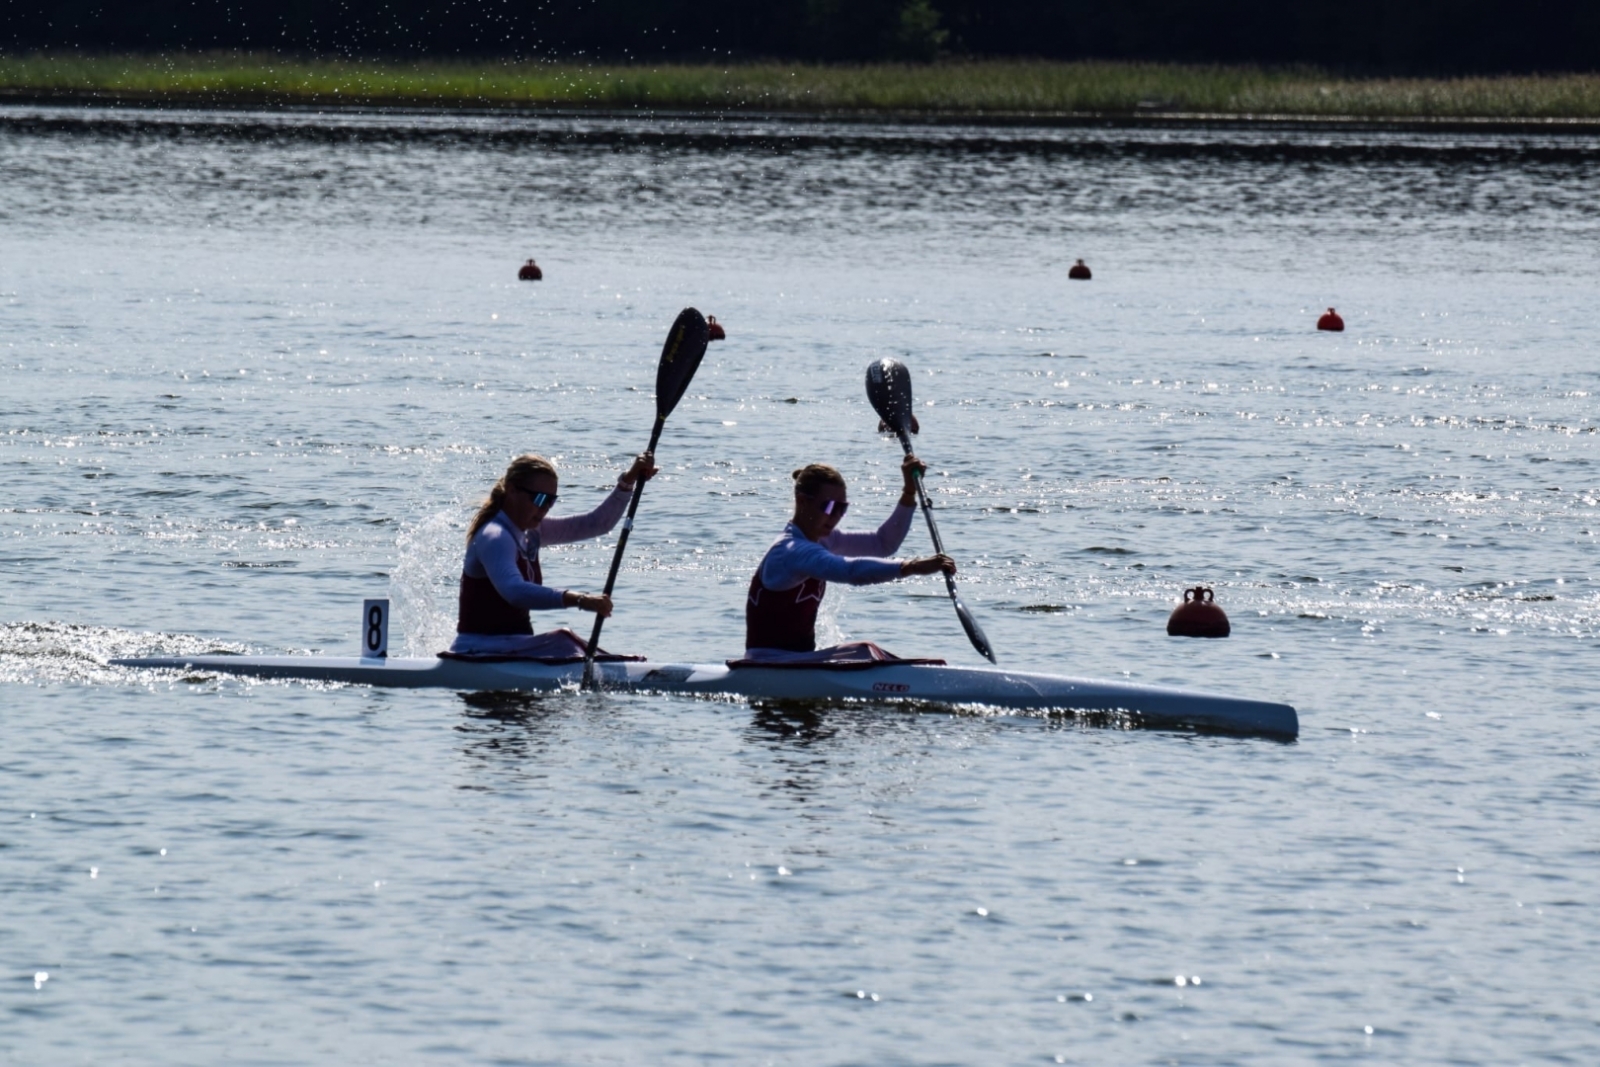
[(374, 629)]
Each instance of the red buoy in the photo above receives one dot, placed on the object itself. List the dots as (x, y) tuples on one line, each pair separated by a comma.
[(1080, 271), (530, 272), (715, 328), (1198, 616), (1331, 321)]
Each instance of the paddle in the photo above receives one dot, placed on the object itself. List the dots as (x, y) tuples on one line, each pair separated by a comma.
[(889, 389), (680, 358)]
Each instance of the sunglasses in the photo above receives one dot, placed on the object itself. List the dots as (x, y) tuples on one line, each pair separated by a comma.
[(540, 500), (830, 507)]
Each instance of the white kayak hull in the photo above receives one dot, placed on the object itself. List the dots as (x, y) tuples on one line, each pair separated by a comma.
[(1146, 705)]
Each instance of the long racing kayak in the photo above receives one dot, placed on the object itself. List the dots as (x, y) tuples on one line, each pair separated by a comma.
[(915, 683)]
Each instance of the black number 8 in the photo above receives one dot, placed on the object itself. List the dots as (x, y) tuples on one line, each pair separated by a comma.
[(374, 627)]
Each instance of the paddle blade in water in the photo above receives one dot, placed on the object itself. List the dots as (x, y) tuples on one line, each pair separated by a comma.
[(889, 390), (680, 358)]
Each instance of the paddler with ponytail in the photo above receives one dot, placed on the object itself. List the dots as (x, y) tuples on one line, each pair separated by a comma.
[(787, 589), (501, 580)]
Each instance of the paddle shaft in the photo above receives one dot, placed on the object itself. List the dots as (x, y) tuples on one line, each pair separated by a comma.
[(975, 634), (927, 510), (616, 558)]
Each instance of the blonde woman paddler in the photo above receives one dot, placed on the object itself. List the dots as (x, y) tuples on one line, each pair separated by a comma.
[(501, 580), (787, 589)]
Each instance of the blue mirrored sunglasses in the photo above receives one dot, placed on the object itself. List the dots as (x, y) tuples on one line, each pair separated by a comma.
[(830, 507), (540, 500)]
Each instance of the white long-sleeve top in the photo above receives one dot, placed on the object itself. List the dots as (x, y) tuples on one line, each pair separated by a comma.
[(852, 558), (494, 550)]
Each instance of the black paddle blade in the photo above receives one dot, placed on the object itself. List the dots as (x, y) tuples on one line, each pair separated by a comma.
[(975, 634), (680, 358), (889, 390)]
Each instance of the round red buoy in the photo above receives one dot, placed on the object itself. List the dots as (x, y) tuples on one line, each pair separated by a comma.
[(715, 330), (530, 272), (1198, 616), (1080, 271), (1331, 321)]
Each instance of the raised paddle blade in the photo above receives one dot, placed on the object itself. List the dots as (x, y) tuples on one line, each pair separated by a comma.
[(680, 358), (889, 390)]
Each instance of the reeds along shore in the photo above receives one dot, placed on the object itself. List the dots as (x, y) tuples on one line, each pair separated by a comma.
[(976, 87)]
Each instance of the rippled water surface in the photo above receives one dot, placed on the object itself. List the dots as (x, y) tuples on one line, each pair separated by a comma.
[(254, 368)]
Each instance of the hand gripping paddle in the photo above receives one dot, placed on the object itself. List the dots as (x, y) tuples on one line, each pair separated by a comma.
[(680, 358), (889, 389)]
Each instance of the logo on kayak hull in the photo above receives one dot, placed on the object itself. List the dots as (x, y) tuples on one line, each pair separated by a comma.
[(890, 687)]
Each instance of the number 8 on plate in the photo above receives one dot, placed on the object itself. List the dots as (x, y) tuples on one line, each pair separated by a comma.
[(374, 629)]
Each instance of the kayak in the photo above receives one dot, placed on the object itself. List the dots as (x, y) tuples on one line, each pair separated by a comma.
[(905, 682)]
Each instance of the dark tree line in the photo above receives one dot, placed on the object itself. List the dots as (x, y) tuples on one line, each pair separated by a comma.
[(1404, 36)]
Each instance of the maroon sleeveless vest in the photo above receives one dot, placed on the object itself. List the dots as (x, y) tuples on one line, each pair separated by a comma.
[(785, 618), (484, 611)]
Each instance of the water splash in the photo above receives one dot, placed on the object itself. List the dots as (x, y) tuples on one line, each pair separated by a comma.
[(55, 653), (425, 581)]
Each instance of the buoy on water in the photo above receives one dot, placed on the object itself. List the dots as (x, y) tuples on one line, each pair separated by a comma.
[(1198, 616), (1080, 271), (530, 272), (717, 333), (1331, 321)]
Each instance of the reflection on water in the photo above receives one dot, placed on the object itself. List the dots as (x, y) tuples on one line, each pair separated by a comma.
[(512, 733), (797, 737), (792, 723)]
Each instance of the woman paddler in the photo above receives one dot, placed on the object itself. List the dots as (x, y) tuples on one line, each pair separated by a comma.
[(501, 580), (787, 589)]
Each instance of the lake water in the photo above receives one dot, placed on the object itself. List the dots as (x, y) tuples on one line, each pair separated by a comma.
[(257, 367)]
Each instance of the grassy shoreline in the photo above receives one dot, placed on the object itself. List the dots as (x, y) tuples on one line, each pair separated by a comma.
[(978, 88)]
